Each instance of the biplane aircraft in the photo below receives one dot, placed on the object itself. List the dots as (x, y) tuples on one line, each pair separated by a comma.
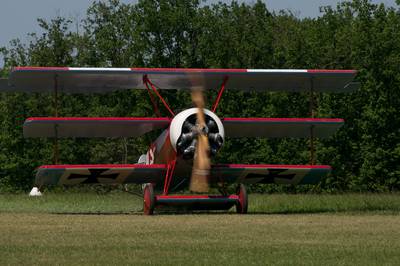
[(180, 158)]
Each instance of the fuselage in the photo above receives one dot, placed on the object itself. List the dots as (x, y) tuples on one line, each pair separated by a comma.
[(176, 145)]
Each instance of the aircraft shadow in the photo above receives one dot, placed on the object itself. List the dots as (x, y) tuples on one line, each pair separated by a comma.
[(166, 213)]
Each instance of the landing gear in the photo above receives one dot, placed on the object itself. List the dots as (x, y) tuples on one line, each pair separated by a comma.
[(148, 199), (194, 202), (241, 205)]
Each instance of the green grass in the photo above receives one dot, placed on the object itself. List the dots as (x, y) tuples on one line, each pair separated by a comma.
[(312, 203), (112, 203), (120, 202), (351, 229)]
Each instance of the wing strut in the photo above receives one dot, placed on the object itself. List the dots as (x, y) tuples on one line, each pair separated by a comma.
[(221, 91), (169, 175), (153, 101), (312, 112), (148, 83), (55, 143)]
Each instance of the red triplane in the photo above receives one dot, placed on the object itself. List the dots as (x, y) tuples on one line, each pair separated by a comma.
[(180, 157)]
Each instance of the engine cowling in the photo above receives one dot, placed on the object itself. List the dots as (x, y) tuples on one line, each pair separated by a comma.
[(183, 132)]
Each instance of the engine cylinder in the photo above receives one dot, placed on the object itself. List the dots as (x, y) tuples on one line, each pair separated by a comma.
[(184, 132)]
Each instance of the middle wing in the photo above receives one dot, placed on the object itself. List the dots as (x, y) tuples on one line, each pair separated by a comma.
[(281, 127), (91, 127)]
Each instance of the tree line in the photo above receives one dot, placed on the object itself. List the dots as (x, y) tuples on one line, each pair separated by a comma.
[(364, 153)]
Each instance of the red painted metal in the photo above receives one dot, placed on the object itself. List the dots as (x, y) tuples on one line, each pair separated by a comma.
[(221, 91), (165, 119), (272, 166), (151, 97), (67, 166), (41, 68), (236, 197), (168, 176), (146, 80), (331, 71), (149, 200), (251, 119), (242, 203)]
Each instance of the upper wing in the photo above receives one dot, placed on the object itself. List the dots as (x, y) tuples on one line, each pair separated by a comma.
[(90, 127), (86, 80), (99, 173), (269, 173), (281, 127)]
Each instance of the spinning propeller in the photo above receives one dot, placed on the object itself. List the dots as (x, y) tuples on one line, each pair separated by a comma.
[(201, 163)]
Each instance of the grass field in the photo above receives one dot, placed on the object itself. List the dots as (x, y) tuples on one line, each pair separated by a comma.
[(280, 229)]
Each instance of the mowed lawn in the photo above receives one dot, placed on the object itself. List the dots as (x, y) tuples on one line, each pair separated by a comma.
[(280, 229)]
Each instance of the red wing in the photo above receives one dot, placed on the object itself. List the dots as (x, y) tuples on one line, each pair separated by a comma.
[(99, 173), (91, 127), (269, 173), (280, 127), (87, 80)]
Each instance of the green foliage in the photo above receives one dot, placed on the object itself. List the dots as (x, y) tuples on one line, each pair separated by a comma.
[(365, 153)]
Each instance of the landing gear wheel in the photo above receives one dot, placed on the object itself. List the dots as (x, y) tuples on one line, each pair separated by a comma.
[(241, 205), (149, 200)]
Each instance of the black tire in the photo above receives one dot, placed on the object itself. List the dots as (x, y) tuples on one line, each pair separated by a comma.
[(149, 200), (241, 205)]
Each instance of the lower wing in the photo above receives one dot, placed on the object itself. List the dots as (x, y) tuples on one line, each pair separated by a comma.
[(155, 173), (99, 173), (269, 173)]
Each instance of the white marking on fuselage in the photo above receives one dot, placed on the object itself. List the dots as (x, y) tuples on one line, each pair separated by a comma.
[(150, 155)]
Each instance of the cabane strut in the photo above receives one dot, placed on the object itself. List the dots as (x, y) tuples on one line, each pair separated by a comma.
[(148, 83)]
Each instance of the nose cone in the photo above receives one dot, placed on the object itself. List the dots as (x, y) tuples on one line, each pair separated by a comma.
[(184, 132)]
